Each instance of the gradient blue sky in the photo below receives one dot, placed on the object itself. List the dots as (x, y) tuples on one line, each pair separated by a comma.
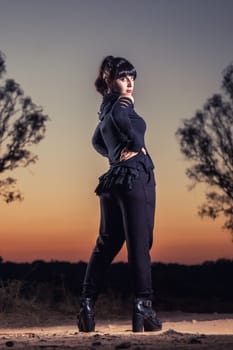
[(54, 49)]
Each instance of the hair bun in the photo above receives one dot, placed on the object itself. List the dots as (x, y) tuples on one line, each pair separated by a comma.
[(107, 62)]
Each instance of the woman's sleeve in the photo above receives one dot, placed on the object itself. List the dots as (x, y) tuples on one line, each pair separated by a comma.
[(121, 118), (98, 142)]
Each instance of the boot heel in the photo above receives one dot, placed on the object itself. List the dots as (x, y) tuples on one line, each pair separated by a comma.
[(86, 324), (138, 322), (80, 326), (144, 317), (86, 320)]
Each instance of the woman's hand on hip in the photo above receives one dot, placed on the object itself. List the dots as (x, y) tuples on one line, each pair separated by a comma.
[(126, 154)]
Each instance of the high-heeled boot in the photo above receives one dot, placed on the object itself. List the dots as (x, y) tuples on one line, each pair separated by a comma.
[(144, 317), (86, 321)]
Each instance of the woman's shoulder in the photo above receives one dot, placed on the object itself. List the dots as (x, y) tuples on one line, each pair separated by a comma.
[(127, 98), (124, 101)]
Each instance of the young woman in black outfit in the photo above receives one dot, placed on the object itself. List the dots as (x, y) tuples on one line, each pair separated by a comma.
[(127, 196)]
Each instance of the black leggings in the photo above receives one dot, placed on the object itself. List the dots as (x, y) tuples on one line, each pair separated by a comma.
[(125, 215)]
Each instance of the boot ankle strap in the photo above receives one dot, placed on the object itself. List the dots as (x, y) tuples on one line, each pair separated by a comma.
[(147, 303), (144, 302)]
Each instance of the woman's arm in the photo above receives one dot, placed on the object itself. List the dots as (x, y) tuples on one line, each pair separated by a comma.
[(121, 118), (98, 142)]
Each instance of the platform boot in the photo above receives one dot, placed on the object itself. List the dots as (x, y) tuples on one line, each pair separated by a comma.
[(144, 317), (86, 320)]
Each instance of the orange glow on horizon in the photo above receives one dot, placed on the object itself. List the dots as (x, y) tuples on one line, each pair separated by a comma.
[(183, 245)]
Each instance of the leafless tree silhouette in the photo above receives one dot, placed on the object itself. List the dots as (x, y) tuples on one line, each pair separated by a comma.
[(206, 140), (22, 124)]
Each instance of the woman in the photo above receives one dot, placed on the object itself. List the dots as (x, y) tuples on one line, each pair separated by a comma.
[(127, 196)]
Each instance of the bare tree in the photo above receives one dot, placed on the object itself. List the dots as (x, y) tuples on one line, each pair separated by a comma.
[(22, 124), (206, 140)]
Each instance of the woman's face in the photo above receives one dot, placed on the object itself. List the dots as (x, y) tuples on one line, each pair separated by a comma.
[(124, 85)]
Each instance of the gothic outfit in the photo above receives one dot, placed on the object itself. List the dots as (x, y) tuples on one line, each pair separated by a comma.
[(127, 197)]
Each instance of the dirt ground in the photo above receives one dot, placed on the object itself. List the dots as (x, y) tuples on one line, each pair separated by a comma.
[(180, 331)]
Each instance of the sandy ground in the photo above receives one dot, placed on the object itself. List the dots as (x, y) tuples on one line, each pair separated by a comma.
[(180, 331)]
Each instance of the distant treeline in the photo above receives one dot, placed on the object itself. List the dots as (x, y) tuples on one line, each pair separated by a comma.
[(196, 288)]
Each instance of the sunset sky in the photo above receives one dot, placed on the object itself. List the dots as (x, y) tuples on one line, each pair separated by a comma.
[(53, 49)]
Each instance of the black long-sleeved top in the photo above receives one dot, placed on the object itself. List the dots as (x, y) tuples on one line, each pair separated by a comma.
[(120, 126)]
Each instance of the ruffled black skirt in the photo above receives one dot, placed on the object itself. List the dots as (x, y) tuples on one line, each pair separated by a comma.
[(121, 175)]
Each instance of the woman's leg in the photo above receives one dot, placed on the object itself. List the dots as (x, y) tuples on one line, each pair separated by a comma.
[(138, 209), (109, 242)]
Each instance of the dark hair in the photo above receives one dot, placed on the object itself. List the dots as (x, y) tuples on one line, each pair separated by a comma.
[(113, 68)]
